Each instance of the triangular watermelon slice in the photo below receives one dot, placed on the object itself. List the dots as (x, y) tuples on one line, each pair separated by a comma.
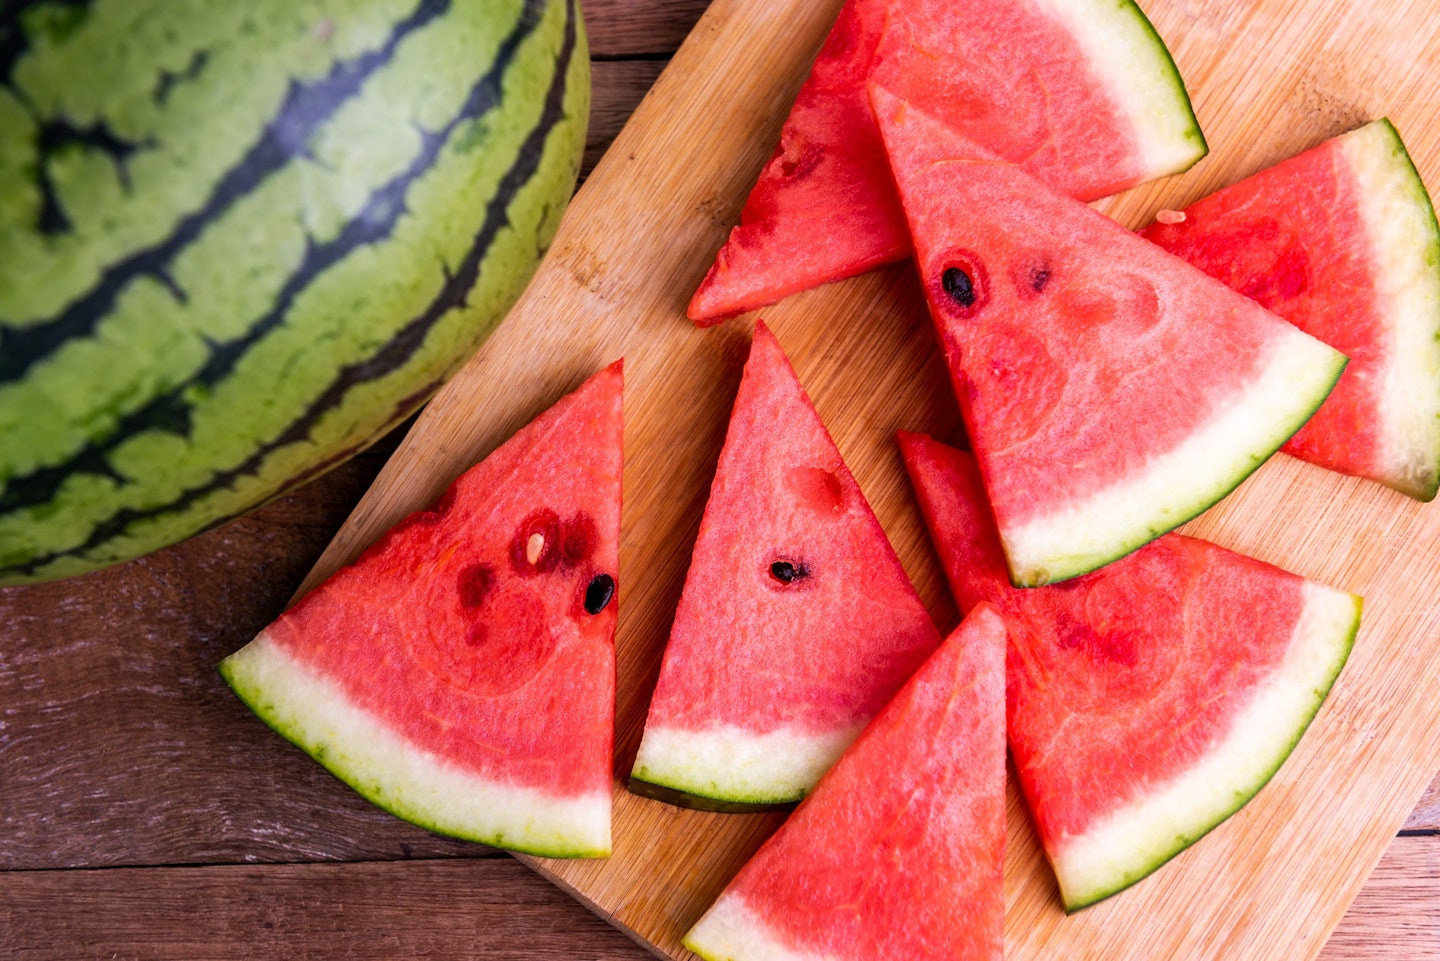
[(1110, 390), (461, 674), (797, 622), (1083, 92), (1148, 700), (899, 851), (1342, 241)]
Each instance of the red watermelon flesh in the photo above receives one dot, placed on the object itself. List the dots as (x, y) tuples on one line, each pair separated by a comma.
[(824, 207), (1083, 93), (1342, 241), (899, 851), (1149, 700), (461, 673), (1110, 390), (796, 623)]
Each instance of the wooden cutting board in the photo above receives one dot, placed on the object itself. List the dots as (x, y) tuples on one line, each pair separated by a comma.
[(1268, 78)]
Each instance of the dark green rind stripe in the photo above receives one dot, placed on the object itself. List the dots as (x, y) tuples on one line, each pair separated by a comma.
[(59, 135), (170, 79), (392, 355), (14, 41), (699, 802), (306, 109), (374, 222)]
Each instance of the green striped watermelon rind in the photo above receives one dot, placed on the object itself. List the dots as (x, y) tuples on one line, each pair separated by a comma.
[(1400, 219), (1080, 537), (236, 299), (1131, 843), (314, 714)]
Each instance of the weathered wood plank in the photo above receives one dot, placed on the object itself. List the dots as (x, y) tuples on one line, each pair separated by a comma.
[(639, 28), (1426, 816), (617, 87), (119, 744), (1396, 916), (493, 909)]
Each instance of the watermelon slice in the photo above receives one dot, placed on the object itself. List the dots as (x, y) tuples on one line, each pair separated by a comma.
[(1083, 92), (1342, 241), (797, 622), (1110, 390), (899, 851), (461, 674), (1149, 700)]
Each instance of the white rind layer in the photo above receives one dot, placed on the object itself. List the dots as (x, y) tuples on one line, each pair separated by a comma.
[(729, 931), (1133, 841), (1400, 223), (1133, 64), (734, 765), (416, 785), (1178, 484)]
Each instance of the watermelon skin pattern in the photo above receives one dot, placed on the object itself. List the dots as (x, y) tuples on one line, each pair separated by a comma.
[(240, 242), (461, 674), (1146, 701), (899, 851)]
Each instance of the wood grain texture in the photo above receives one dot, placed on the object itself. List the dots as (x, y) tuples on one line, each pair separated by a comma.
[(1426, 814), (1269, 79), (630, 29), (494, 909), (619, 86), (120, 744), (1397, 914)]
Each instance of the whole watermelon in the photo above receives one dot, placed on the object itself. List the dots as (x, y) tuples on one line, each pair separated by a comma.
[(240, 241)]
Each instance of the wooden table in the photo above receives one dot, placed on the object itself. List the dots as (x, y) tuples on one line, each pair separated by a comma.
[(144, 813)]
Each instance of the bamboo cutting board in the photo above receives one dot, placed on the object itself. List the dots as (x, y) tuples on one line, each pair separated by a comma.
[(1268, 78)]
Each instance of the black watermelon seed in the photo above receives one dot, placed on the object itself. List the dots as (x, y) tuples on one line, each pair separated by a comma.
[(599, 593), (959, 286), (1039, 277), (787, 573)]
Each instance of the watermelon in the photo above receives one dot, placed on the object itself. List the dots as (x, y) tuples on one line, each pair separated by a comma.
[(461, 674), (241, 241), (1146, 701), (1342, 242), (899, 851), (1082, 92), (1110, 390), (796, 623)]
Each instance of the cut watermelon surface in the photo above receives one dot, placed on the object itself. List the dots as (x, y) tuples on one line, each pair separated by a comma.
[(899, 851), (1342, 241), (1082, 92), (1110, 390), (461, 674), (796, 623), (1146, 701)]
